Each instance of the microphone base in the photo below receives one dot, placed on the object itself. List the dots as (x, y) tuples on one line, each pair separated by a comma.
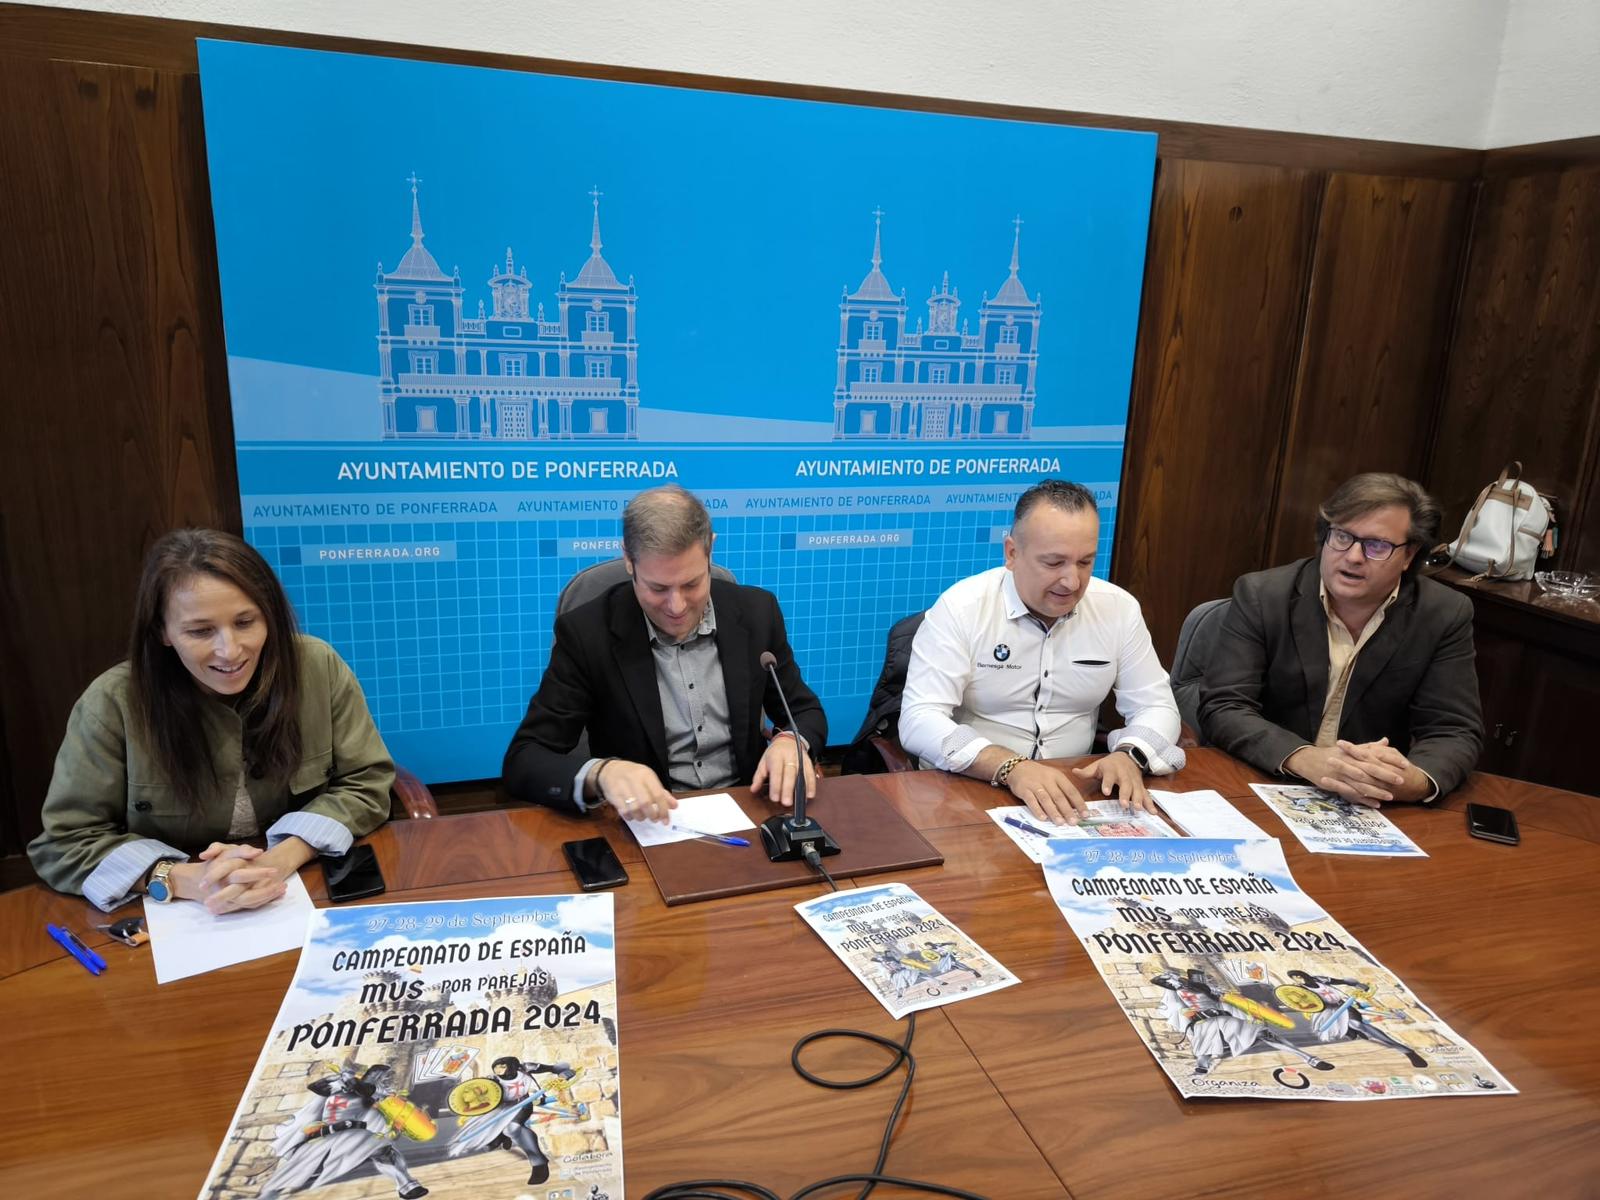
[(785, 839)]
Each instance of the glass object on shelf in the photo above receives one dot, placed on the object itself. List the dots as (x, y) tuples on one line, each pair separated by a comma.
[(1568, 585)]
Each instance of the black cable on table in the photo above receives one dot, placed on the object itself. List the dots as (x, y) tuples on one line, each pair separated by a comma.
[(815, 859), (737, 1189)]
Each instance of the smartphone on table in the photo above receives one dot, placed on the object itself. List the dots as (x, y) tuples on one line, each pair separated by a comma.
[(1493, 824), (595, 864), (352, 876)]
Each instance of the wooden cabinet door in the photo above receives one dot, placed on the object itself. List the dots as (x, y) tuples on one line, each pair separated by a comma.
[(1501, 688), (1559, 697)]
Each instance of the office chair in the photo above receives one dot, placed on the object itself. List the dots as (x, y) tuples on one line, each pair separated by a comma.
[(1196, 639), (410, 797), (877, 747), (600, 578)]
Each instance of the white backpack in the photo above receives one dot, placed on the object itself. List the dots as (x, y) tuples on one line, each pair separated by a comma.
[(1510, 526)]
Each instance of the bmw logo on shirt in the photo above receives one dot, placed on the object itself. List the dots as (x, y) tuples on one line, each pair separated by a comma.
[(1002, 652)]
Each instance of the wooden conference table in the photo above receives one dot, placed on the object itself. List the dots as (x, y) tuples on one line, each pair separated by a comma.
[(119, 1088)]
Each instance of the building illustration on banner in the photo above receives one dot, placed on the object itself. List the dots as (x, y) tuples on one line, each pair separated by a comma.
[(939, 381), (509, 374), (425, 472)]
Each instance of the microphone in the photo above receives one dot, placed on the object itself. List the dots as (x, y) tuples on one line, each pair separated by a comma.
[(796, 836), (769, 663)]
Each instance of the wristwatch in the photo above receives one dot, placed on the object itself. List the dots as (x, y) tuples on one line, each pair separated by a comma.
[(159, 887), (1136, 754)]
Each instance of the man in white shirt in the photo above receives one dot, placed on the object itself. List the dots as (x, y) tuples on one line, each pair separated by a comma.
[(1011, 666)]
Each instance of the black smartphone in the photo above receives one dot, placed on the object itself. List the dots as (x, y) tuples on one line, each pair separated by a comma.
[(595, 864), (1493, 824), (352, 876)]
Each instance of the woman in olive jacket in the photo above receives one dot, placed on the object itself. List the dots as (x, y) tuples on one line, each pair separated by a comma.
[(224, 725)]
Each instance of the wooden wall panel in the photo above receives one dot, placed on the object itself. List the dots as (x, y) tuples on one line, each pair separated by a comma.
[(1383, 288), (1541, 156), (1225, 278), (115, 425), (1580, 544), (1526, 356)]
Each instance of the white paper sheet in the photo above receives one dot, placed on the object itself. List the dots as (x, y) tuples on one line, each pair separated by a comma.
[(1208, 814), (187, 940), (694, 817)]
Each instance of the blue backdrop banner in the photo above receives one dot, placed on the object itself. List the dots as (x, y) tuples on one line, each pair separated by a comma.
[(470, 312)]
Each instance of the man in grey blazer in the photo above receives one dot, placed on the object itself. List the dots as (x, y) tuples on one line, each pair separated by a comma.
[(1348, 670)]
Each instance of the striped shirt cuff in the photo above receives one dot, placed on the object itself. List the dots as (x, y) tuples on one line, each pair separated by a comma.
[(112, 883), (322, 834)]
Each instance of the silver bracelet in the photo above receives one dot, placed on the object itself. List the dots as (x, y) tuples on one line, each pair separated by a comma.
[(1003, 771)]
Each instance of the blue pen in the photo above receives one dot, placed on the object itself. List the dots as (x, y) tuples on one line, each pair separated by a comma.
[(715, 837), (69, 942), (1026, 828)]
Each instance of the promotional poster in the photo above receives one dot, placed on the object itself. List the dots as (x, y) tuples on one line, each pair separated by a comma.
[(451, 1049), (901, 949), (471, 312), (1329, 824), (1105, 819), (1241, 985)]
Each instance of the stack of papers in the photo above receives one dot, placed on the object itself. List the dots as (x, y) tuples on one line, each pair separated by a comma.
[(1208, 814)]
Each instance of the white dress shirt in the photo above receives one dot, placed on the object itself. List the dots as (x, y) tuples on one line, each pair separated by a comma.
[(985, 671)]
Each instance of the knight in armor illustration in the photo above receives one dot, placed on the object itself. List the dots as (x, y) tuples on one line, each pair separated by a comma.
[(341, 1127), (942, 956), (506, 1126), (907, 968), (1216, 1024), (901, 976), (1346, 1016)]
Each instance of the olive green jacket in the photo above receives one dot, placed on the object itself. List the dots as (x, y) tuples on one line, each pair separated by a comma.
[(110, 813)]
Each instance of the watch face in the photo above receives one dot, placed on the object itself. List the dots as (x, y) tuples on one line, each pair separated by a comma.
[(159, 888)]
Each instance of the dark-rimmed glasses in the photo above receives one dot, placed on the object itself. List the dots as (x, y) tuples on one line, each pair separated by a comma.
[(1374, 549)]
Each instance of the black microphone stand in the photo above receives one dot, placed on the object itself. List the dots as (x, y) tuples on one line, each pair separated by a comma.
[(796, 836)]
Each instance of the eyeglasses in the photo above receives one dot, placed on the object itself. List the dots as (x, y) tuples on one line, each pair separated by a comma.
[(1374, 549)]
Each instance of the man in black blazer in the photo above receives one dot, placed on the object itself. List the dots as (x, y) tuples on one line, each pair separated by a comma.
[(664, 673), (1349, 670)]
